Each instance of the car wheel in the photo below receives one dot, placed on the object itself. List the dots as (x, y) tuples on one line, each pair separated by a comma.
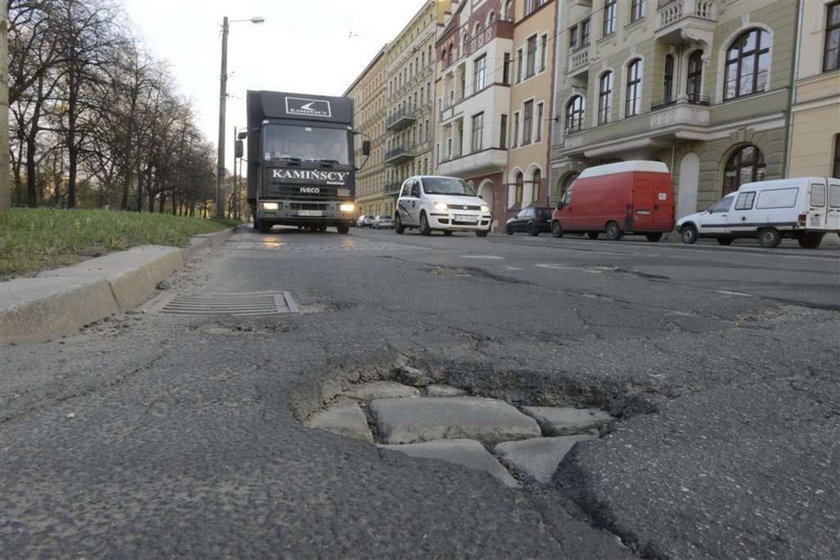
[(653, 237), (424, 225), (398, 227), (593, 234), (508, 230), (447, 233), (725, 241), (614, 232), (810, 240), (556, 229), (769, 238), (689, 234), (482, 233), (532, 230)]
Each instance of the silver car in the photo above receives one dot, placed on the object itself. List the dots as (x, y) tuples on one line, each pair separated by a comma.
[(383, 222)]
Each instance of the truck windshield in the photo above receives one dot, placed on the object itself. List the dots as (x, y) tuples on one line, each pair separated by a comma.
[(446, 185), (306, 143)]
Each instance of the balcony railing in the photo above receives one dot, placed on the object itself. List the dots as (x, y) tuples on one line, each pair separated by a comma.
[(578, 60), (500, 29), (399, 155), (402, 118), (392, 188), (673, 11)]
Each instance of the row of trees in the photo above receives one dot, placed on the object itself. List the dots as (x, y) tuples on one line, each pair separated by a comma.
[(94, 120)]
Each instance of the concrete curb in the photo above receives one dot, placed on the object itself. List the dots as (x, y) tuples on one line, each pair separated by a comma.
[(61, 301)]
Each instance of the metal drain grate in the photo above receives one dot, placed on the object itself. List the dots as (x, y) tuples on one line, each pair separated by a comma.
[(264, 303)]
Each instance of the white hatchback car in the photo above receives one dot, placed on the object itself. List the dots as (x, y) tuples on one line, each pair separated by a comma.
[(432, 203)]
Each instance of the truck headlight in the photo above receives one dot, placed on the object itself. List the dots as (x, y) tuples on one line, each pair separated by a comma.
[(270, 205), (485, 208), (440, 206), (347, 207)]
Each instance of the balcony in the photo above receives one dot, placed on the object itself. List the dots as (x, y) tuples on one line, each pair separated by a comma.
[(399, 155), (678, 118), (680, 21), (485, 162), (402, 118), (392, 189), (578, 61), (500, 29)]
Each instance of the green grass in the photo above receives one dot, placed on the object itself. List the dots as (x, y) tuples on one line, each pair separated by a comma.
[(32, 240)]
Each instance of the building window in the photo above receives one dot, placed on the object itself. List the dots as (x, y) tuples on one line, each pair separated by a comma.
[(746, 165), (605, 98), (529, 6), (668, 80), (515, 130), (609, 17), (503, 132), (543, 51), (477, 132), (831, 56), (637, 10), (518, 66), (573, 38), (531, 63), (480, 78), (747, 63), (527, 122), (535, 185), (506, 69), (574, 114), (538, 127), (836, 167), (695, 76), (633, 101), (584, 32), (519, 185)]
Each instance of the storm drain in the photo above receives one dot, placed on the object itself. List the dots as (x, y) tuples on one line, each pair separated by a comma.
[(240, 305)]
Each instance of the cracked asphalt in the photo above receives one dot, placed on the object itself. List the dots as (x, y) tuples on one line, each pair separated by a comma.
[(180, 436)]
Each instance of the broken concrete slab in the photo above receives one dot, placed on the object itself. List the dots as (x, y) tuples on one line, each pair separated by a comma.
[(487, 420), (444, 391), (466, 452), (564, 421), (538, 457), (380, 390), (346, 419), (413, 376)]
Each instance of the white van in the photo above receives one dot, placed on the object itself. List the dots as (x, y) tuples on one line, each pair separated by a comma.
[(433, 203), (803, 208)]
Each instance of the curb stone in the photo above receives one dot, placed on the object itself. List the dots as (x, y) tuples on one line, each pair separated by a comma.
[(60, 302)]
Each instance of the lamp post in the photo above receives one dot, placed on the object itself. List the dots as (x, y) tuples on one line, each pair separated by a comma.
[(220, 168)]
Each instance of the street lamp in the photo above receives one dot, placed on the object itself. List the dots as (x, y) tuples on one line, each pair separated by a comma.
[(220, 167)]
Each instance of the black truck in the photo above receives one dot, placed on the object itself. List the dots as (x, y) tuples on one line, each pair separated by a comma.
[(301, 160)]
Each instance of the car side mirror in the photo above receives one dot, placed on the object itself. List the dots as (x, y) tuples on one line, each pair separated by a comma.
[(239, 150), (366, 148)]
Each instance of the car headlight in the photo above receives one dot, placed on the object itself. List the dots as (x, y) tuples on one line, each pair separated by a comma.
[(347, 207), (271, 206), (440, 206), (485, 208)]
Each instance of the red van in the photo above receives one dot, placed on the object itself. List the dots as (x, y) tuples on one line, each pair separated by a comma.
[(619, 198)]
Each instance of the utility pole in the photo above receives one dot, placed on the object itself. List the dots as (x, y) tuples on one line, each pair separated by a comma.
[(220, 168), (5, 188)]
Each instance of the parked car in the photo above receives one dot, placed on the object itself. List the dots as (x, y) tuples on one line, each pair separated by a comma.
[(365, 220), (802, 208), (383, 222), (434, 203), (534, 220), (631, 197)]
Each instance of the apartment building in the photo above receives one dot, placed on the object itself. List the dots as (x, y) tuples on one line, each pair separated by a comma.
[(370, 107), (815, 138), (701, 85), (532, 103), (473, 94)]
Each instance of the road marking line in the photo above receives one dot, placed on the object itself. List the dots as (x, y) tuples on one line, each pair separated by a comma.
[(728, 293), (563, 267), (488, 257), (506, 267)]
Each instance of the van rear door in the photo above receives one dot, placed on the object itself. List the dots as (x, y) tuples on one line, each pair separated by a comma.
[(817, 205), (643, 200), (832, 222)]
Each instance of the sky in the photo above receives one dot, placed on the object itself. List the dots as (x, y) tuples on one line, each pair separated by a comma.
[(304, 46)]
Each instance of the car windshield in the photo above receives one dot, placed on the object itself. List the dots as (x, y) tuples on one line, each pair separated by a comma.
[(447, 185), (383, 217), (306, 143)]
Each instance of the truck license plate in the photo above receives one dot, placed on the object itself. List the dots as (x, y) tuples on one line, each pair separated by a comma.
[(465, 218), (311, 213)]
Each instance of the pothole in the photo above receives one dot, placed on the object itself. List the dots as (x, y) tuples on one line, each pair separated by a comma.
[(426, 412)]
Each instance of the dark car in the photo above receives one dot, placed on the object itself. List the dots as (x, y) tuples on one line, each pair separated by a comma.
[(534, 220)]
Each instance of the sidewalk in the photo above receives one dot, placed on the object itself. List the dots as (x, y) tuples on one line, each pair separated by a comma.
[(61, 301)]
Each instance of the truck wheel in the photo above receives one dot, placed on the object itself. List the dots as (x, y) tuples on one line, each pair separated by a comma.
[(343, 228), (263, 226), (614, 232), (556, 229), (532, 230), (398, 227), (654, 237), (593, 234), (769, 238), (725, 241), (689, 235), (424, 225), (810, 240)]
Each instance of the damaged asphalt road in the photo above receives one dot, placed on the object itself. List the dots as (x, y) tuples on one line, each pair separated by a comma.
[(162, 435)]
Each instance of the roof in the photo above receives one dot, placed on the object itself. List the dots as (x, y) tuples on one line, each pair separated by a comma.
[(625, 167)]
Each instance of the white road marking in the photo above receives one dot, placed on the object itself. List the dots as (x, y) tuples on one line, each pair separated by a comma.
[(487, 257), (728, 293), (551, 266), (506, 267)]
